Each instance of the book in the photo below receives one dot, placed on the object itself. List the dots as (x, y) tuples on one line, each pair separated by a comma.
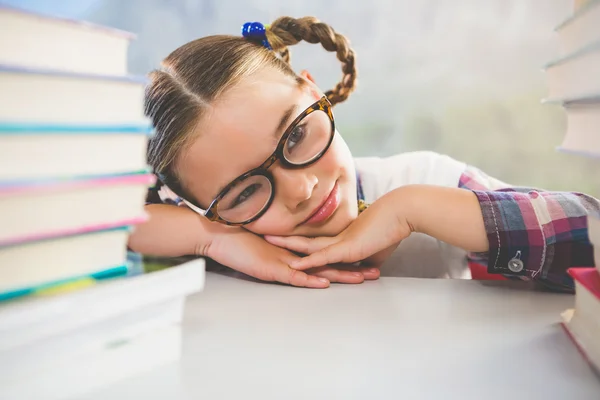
[(582, 323), (31, 319), (574, 76), (574, 84), (582, 135), (83, 374), (44, 151), (40, 265), (77, 313), (42, 41), (580, 29), (51, 339), (51, 208), (33, 95), (593, 221)]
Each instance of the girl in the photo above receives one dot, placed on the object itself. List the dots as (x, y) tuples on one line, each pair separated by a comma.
[(249, 152)]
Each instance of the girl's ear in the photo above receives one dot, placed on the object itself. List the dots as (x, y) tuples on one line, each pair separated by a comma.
[(306, 75), (316, 92)]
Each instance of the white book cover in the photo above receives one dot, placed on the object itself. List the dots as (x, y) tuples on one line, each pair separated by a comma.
[(70, 344), (44, 151), (593, 220), (32, 319), (72, 378), (36, 210), (39, 41), (33, 266), (574, 76), (580, 29), (582, 135), (36, 95)]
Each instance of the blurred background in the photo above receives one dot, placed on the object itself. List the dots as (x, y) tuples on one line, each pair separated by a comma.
[(461, 77)]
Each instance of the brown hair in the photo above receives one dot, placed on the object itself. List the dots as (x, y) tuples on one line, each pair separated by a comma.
[(197, 73)]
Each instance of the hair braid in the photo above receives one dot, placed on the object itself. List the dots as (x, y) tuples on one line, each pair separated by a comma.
[(287, 31)]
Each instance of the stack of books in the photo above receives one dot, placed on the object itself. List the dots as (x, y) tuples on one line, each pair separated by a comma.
[(73, 182), (574, 84), (573, 79)]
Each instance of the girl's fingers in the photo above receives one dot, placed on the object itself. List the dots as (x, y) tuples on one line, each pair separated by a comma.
[(329, 255), (338, 275), (301, 244), (370, 273), (289, 276)]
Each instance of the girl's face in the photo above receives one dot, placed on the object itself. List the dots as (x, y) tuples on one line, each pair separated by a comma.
[(242, 130)]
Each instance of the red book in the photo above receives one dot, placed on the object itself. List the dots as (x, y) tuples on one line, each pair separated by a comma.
[(589, 278), (582, 324)]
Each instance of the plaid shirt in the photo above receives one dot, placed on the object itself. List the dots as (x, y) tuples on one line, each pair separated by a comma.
[(542, 232)]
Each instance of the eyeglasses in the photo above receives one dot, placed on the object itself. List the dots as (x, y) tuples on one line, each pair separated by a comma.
[(249, 196)]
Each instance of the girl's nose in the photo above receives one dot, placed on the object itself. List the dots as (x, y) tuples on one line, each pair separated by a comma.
[(294, 186)]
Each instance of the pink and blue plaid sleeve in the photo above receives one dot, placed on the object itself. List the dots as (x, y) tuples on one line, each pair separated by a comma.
[(533, 234)]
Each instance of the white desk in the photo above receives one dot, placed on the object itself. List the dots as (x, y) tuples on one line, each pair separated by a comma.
[(390, 339)]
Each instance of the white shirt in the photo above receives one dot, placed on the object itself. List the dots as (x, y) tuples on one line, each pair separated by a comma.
[(419, 255)]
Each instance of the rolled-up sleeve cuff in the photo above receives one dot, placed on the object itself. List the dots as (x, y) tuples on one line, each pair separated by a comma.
[(517, 241)]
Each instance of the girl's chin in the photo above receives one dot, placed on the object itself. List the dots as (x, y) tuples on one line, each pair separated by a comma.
[(343, 217), (336, 225)]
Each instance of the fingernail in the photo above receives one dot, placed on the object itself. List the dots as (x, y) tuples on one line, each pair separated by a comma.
[(357, 274), (374, 270), (323, 280)]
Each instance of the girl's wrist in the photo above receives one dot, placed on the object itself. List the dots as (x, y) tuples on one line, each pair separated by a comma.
[(212, 235), (451, 215), (404, 203)]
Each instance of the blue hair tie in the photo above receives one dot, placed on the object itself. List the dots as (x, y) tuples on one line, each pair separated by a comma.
[(256, 32)]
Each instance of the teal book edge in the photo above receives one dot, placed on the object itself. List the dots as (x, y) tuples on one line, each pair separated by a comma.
[(30, 128), (133, 267), (66, 284)]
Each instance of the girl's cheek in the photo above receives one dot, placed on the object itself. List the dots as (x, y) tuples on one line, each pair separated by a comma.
[(331, 159), (275, 222), (339, 158)]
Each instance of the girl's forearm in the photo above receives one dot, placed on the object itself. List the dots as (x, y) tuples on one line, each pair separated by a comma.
[(451, 215), (170, 231)]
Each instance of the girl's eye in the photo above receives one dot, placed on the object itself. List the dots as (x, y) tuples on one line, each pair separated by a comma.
[(296, 136), (245, 194)]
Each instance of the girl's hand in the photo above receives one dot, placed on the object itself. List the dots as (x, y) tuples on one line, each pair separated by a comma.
[(451, 215), (371, 238), (250, 254)]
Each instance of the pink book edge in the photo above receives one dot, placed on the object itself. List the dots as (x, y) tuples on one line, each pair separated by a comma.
[(587, 277), (72, 231), (76, 184), (580, 349)]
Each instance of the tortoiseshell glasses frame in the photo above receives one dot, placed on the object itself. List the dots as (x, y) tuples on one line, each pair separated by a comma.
[(323, 105)]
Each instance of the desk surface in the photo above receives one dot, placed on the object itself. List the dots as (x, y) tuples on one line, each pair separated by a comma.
[(394, 338)]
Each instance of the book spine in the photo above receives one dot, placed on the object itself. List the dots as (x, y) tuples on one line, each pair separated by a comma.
[(29, 128), (118, 225), (65, 285), (75, 183)]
